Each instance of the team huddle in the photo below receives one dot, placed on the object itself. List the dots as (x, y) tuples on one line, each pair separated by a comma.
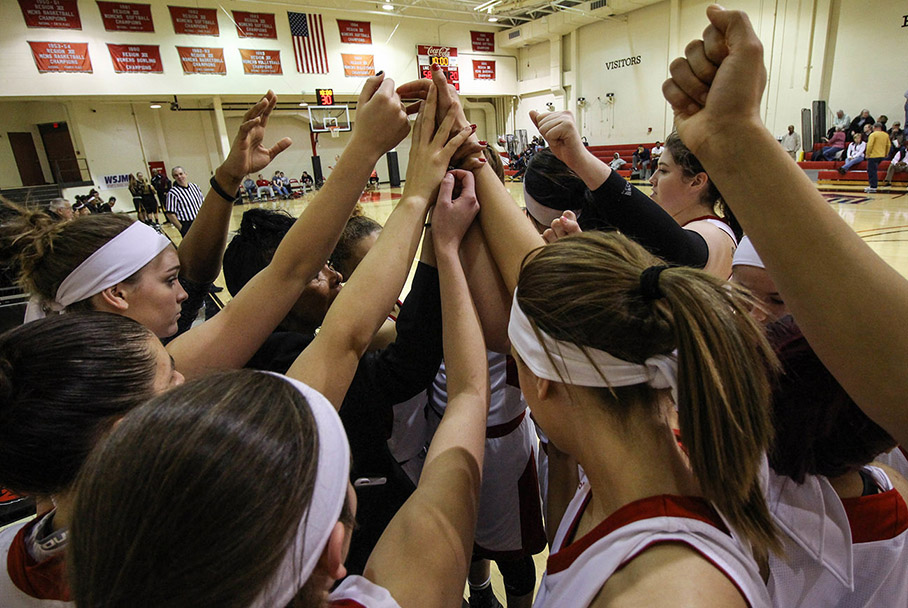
[(668, 391)]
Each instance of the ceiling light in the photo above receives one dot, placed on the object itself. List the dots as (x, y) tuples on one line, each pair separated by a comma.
[(388, 7), (493, 19), (303, 104), (155, 106)]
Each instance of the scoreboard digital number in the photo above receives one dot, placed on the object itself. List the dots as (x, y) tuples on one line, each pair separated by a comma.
[(442, 61), (325, 97)]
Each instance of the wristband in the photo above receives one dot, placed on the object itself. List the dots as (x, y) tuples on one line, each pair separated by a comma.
[(220, 191)]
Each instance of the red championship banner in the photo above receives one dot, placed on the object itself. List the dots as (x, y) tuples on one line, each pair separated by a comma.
[(358, 65), (202, 60), (61, 56), (445, 56), (483, 69), (136, 58), (254, 25), (198, 21), (261, 62), (126, 17), (483, 42), (57, 14), (355, 32)]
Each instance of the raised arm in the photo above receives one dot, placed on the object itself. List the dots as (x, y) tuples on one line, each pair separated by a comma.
[(328, 364), (848, 301), (622, 204), (202, 250), (508, 233), (233, 336), (431, 537)]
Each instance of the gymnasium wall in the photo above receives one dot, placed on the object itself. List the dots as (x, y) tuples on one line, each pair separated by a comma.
[(838, 50), (849, 53), (115, 130)]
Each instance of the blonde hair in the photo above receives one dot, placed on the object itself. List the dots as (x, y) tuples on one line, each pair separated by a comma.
[(586, 290)]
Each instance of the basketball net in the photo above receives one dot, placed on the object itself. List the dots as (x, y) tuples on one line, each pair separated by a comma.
[(335, 132)]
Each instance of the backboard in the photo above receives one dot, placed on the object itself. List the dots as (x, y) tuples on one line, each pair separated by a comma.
[(323, 118)]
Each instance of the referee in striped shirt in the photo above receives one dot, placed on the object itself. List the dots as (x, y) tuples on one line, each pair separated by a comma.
[(183, 201)]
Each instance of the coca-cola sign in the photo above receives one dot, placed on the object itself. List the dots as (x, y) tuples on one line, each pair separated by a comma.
[(444, 56)]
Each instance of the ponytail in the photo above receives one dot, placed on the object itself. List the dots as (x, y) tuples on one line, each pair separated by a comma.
[(724, 363), (587, 290)]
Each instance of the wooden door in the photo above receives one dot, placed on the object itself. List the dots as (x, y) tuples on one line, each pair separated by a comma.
[(60, 152), (26, 159)]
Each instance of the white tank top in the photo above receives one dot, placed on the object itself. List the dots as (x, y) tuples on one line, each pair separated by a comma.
[(506, 402), (10, 595), (576, 573), (839, 553)]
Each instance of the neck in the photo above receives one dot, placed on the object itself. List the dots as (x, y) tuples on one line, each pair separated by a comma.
[(692, 212), (630, 459), (63, 515), (849, 485)]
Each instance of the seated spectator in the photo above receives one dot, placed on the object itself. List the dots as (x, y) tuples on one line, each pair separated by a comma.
[(103, 207), (263, 186), (617, 162), (641, 163), (857, 125), (865, 134), (899, 164), (277, 184), (60, 208), (834, 149), (896, 132), (842, 120), (855, 154), (249, 187), (883, 119), (655, 153), (306, 180)]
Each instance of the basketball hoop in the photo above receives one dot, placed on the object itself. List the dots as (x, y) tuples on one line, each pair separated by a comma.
[(335, 132)]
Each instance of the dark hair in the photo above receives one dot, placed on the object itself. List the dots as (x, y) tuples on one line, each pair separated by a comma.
[(819, 428), (690, 167), (358, 227), (723, 358), (195, 497), (493, 159), (553, 184), (258, 237), (63, 380), (47, 251)]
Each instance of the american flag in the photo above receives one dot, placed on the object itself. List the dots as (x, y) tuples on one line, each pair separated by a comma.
[(308, 43)]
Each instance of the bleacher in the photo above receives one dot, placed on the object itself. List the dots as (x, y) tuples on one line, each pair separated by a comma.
[(827, 171), (607, 153)]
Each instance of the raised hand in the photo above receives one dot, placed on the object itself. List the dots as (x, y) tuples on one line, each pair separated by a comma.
[(381, 120), (453, 216), (469, 156), (431, 149), (248, 154), (720, 81), (563, 226), (560, 132)]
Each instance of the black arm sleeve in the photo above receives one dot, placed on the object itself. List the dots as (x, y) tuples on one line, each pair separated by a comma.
[(639, 217), (406, 366)]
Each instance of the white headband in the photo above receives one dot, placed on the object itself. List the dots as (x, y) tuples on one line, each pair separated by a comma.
[(115, 261), (746, 255), (331, 480), (573, 365), (542, 214)]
